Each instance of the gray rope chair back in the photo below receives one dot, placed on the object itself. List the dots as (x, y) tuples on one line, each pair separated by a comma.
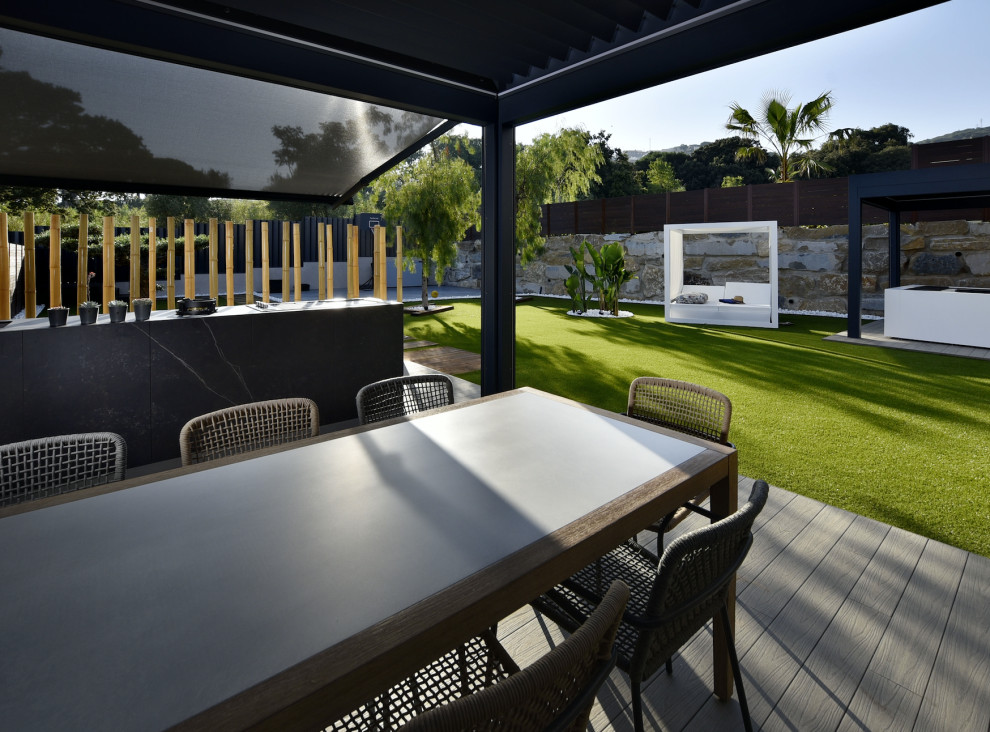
[(50, 466), (555, 693), (692, 582), (689, 408), (247, 427), (403, 395)]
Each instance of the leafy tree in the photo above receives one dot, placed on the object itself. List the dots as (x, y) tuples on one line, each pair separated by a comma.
[(435, 199), (242, 210), (710, 163), (617, 174), (785, 131), (732, 181), (187, 207), (554, 168), (661, 178), (17, 199), (851, 151)]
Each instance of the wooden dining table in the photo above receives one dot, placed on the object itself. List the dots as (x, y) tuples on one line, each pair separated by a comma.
[(283, 588)]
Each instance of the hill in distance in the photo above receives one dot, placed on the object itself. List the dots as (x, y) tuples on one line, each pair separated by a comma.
[(635, 155), (966, 134)]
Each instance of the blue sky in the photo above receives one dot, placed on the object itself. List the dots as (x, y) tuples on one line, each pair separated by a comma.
[(928, 71)]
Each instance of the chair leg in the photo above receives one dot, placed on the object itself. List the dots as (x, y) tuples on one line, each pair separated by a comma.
[(637, 704), (736, 671)]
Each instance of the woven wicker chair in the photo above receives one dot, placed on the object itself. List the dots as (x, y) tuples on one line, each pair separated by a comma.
[(247, 427), (403, 395), (685, 407), (52, 465), (673, 596), (479, 686)]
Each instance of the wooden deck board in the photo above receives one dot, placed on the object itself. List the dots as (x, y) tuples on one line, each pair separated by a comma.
[(956, 696), (843, 623)]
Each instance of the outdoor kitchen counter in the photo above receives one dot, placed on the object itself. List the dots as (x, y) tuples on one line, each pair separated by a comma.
[(956, 315), (145, 380)]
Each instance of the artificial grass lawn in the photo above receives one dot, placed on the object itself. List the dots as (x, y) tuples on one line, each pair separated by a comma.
[(898, 436)]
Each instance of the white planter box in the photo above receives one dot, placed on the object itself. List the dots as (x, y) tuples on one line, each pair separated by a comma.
[(950, 316)]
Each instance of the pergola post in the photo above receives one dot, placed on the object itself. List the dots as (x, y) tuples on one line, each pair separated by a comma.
[(498, 289), (855, 261), (894, 247)]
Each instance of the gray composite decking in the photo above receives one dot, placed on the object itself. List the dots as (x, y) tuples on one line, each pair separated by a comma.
[(843, 623)]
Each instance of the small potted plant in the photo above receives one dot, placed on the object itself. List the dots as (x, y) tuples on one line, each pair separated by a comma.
[(118, 311), (57, 316), (88, 311), (142, 308)]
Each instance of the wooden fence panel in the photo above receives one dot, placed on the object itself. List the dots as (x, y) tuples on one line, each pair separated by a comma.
[(952, 152), (823, 201), (589, 216), (686, 207), (561, 218), (649, 212), (727, 204), (775, 201), (618, 215)]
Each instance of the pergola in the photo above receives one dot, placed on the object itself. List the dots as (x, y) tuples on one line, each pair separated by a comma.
[(391, 74), (930, 189)]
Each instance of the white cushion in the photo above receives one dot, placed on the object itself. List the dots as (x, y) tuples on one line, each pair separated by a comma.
[(753, 293)]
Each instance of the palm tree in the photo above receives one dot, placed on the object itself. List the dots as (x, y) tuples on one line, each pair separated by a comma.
[(789, 132)]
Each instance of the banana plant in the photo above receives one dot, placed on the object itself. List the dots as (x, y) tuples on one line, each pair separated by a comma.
[(577, 279), (610, 274)]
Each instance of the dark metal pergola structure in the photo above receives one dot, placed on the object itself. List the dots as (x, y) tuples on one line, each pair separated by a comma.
[(496, 65), (930, 189)]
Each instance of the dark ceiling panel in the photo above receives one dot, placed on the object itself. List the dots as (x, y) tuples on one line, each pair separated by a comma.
[(511, 61)]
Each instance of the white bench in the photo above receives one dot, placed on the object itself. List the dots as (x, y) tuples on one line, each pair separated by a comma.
[(759, 306), (754, 311)]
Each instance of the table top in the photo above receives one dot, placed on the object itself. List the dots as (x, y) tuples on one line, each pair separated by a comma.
[(167, 601)]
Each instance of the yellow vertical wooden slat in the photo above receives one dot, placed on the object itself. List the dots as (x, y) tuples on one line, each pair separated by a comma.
[(82, 261), (4, 269), (265, 280), (170, 262), (153, 261), (109, 278), (229, 231), (55, 262), (297, 261), (381, 291), (329, 238), (286, 253), (321, 263), (214, 261), (398, 263), (135, 260), (249, 261), (353, 280), (189, 255), (30, 268)]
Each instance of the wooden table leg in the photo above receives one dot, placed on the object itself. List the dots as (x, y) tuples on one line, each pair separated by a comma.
[(724, 502)]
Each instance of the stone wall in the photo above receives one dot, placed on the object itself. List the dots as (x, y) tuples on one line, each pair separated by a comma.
[(812, 262)]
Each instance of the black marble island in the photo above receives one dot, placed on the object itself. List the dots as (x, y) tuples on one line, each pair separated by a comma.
[(145, 380)]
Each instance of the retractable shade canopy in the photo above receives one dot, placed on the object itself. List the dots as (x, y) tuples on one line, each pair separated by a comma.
[(310, 100)]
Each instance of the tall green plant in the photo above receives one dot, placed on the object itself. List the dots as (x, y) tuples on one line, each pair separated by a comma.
[(435, 199), (610, 274), (575, 283), (554, 168)]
